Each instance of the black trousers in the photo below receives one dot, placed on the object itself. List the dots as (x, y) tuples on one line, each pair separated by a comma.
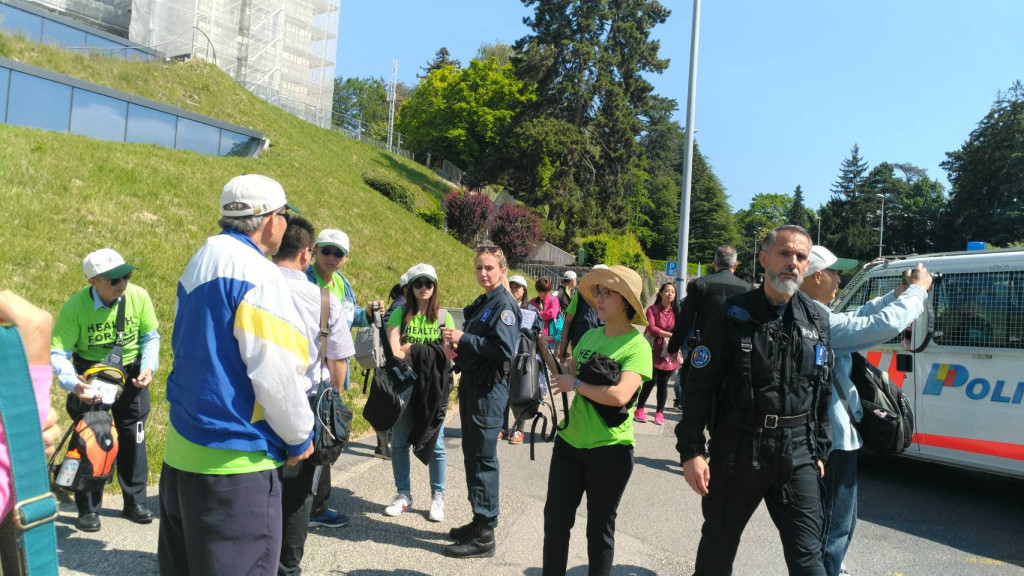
[(130, 412), (482, 398), (660, 380), (786, 479), (602, 474), (219, 525), (297, 500)]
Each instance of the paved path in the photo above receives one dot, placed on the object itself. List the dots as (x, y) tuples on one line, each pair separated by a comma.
[(915, 518)]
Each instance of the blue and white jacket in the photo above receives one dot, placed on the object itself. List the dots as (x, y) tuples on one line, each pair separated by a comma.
[(239, 353), (873, 323)]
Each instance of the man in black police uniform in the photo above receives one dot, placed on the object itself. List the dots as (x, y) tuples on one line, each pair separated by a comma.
[(703, 295), (759, 383)]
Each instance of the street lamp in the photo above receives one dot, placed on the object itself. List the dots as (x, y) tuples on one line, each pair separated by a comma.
[(881, 224), (753, 259)]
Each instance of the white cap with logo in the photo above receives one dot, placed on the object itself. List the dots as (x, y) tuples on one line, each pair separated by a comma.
[(259, 194), (421, 271), (107, 263), (517, 279), (821, 258), (332, 237), (569, 276)]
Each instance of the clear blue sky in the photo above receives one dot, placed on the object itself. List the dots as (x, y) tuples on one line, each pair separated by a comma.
[(784, 88)]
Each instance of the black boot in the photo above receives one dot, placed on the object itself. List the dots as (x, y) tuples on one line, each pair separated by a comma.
[(463, 533), (481, 546)]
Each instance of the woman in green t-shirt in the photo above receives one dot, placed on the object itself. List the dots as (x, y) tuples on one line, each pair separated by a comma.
[(416, 322), (589, 456)]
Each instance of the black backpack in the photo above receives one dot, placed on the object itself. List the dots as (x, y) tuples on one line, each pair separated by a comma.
[(887, 425), (524, 393), (332, 419)]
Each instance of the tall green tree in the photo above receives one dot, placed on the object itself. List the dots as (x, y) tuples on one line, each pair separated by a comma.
[(463, 115), (360, 101), (798, 213), (500, 52), (441, 59), (851, 216), (987, 174)]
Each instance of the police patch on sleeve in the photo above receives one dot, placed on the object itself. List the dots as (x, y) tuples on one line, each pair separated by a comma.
[(508, 318), (701, 356)]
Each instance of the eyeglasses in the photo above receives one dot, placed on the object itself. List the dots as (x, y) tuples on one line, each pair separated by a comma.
[(490, 248), (423, 283), (331, 251), (601, 293), (116, 281)]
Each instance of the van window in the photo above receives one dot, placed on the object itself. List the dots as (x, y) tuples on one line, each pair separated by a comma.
[(980, 309), (875, 286)]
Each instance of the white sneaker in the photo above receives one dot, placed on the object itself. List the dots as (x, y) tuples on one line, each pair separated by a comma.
[(401, 503), (437, 507)]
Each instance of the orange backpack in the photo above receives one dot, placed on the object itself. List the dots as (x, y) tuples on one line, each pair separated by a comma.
[(88, 463)]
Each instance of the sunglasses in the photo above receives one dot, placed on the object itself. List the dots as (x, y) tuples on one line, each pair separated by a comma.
[(331, 251), (116, 281), (423, 284), (490, 248), (601, 293)]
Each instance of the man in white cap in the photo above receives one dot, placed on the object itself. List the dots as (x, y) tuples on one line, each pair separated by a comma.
[(84, 334), (568, 289), (873, 323), (237, 394)]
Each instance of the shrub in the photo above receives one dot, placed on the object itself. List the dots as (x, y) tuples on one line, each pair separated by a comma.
[(392, 188), (467, 215), (516, 230), (433, 217)]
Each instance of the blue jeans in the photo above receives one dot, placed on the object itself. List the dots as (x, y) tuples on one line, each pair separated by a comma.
[(840, 505), (400, 455)]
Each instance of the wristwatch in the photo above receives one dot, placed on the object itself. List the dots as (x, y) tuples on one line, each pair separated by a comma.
[(575, 384)]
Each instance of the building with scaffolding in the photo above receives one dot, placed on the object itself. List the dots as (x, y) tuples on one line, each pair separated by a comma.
[(281, 50)]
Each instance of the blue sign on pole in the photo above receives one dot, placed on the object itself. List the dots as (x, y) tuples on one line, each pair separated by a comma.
[(670, 268)]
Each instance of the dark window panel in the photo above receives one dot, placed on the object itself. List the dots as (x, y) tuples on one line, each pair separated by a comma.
[(148, 126), (38, 103), (5, 76), (197, 137), (98, 116), (235, 144), (14, 21)]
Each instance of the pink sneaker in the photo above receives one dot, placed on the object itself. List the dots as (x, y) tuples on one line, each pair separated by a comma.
[(659, 418), (639, 415)]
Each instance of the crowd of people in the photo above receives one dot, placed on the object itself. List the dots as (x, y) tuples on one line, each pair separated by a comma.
[(264, 317)]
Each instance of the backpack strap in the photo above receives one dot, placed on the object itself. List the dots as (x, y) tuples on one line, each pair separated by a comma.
[(116, 355), (35, 507), (325, 313)]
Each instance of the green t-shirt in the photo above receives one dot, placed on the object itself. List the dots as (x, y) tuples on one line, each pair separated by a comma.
[(188, 456), (633, 353), (571, 309), (420, 330), (83, 329), (337, 287)]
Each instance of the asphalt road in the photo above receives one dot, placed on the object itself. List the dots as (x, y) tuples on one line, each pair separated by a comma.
[(914, 518)]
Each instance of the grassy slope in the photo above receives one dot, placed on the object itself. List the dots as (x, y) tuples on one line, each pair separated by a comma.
[(63, 196)]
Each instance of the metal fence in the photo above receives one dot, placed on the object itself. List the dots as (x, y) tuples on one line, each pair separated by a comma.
[(535, 271)]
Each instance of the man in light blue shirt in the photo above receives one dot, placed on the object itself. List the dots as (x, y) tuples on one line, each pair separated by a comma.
[(873, 323)]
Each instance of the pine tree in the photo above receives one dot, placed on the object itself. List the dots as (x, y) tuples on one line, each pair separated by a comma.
[(851, 175), (441, 59), (798, 213)]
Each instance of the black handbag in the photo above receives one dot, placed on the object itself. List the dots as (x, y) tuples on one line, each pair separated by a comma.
[(887, 424), (601, 370), (332, 419), (384, 402)]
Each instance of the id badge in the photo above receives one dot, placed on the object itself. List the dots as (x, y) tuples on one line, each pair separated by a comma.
[(820, 355)]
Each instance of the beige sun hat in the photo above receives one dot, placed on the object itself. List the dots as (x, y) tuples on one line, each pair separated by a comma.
[(619, 279)]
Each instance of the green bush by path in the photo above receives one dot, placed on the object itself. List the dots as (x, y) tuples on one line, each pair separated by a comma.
[(392, 188), (63, 196)]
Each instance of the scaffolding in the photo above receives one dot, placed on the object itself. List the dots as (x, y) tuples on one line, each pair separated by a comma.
[(280, 50)]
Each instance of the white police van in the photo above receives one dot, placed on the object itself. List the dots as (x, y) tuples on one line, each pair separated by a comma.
[(967, 385)]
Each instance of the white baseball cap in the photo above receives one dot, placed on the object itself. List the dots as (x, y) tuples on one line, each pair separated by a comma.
[(107, 263), (600, 267), (517, 279), (421, 271), (569, 276), (332, 237), (821, 258), (259, 194), (403, 280)]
